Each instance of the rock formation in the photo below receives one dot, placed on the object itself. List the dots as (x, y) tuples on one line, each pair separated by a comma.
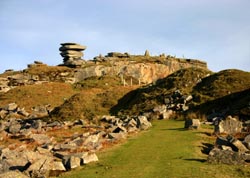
[(72, 53)]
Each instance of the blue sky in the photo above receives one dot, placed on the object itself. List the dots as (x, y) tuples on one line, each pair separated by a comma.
[(216, 31)]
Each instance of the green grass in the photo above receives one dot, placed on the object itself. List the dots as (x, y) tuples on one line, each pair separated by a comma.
[(166, 150)]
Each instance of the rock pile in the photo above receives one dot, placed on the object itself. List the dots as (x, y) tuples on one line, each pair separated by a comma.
[(34, 150), (178, 101), (12, 110), (230, 150), (233, 148), (72, 54)]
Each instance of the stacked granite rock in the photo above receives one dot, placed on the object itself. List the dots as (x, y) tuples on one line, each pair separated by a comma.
[(72, 54)]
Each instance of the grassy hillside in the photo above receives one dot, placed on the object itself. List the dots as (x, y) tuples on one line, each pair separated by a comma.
[(41, 94), (144, 99), (221, 84), (88, 103), (166, 150), (212, 92)]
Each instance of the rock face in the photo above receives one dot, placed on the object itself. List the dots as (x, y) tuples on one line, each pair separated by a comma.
[(72, 53), (142, 72)]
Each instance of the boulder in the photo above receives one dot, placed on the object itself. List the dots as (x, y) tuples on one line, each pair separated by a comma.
[(143, 123), (23, 112), (229, 126), (13, 174), (192, 123), (41, 138), (91, 157), (91, 139), (76, 47), (217, 156), (45, 166), (14, 160), (221, 141), (117, 136), (15, 127), (131, 123), (238, 144), (247, 141), (3, 114), (73, 162), (161, 109), (117, 129), (11, 107), (167, 114)]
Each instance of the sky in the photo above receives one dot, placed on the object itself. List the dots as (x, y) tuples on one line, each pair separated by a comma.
[(215, 31)]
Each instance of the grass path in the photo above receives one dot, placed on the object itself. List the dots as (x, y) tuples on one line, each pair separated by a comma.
[(165, 151)]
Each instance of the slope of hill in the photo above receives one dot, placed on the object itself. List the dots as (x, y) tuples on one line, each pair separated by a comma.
[(225, 92), (221, 84), (89, 103), (40, 94), (144, 99)]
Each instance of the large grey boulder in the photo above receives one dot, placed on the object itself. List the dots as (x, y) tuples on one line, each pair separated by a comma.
[(229, 126), (90, 157), (217, 156), (45, 166), (192, 123), (13, 160), (73, 162)]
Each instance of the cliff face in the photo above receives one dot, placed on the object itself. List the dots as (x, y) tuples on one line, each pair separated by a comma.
[(142, 69), (131, 69)]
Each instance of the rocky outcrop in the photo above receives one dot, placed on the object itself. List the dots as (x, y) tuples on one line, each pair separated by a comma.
[(144, 71), (72, 54), (132, 69), (234, 148)]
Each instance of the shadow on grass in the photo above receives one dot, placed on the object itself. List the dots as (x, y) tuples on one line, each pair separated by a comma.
[(178, 129), (206, 148), (195, 159), (205, 133)]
